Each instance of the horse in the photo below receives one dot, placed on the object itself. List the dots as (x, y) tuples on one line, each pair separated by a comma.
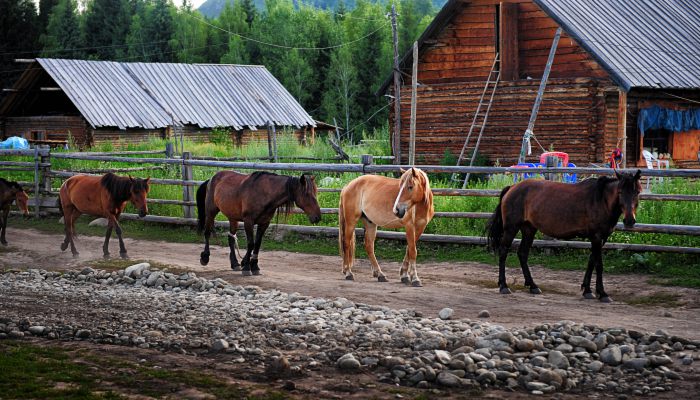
[(253, 199), (589, 209), (101, 196), (388, 202), (9, 192)]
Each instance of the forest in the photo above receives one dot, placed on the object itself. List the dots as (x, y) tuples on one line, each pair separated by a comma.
[(331, 59)]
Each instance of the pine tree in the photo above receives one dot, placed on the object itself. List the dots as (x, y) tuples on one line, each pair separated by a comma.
[(250, 11), (45, 10), (106, 28), (19, 34), (63, 36), (159, 30)]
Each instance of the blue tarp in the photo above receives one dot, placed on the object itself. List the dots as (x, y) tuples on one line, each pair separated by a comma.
[(14, 142), (656, 117)]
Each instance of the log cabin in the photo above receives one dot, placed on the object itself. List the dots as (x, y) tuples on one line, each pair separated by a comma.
[(90, 102), (625, 74)]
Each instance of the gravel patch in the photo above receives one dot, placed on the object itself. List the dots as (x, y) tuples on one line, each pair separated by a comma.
[(291, 333)]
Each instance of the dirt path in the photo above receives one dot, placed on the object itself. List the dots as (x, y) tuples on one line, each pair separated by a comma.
[(467, 288)]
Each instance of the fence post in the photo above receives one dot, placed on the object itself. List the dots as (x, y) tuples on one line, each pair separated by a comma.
[(187, 191), (366, 159), (37, 199), (45, 158), (168, 150)]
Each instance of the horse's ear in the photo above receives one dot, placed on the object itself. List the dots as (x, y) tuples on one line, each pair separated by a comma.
[(413, 172), (402, 170), (302, 179), (638, 175)]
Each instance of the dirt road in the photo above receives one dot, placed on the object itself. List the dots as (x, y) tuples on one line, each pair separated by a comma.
[(467, 288)]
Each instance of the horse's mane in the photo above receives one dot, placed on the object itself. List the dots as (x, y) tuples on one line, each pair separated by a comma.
[(289, 187), (11, 184), (119, 187), (428, 190), (597, 185)]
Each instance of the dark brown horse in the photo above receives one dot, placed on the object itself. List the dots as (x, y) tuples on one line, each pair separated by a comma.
[(589, 209), (9, 192), (101, 196), (252, 199)]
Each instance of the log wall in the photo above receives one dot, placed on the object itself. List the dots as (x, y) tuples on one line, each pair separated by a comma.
[(54, 127)]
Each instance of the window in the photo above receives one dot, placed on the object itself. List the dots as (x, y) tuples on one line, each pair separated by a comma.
[(657, 141), (37, 135)]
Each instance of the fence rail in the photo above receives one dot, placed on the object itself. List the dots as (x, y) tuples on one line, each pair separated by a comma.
[(42, 186)]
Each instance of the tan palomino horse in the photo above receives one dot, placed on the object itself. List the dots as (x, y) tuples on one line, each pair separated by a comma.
[(100, 196), (393, 203)]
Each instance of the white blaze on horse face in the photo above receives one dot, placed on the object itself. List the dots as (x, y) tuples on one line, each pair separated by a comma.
[(396, 202)]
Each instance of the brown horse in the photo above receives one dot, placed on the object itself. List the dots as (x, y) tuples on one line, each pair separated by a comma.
[(589, 209), (101, 196), (253, 199), (393, 203), (9, 192)]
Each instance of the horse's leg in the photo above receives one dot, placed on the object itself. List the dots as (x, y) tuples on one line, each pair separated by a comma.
[(71, 221), (370, 236), (67, 215), (3, 224), (586, 285), (248, 225), (208, 229), (232, 244), (412, 254), (118, 229), (599, 289), (403, 271), (523, 252), (347, 242), (262, 227), (507, 240), (105, 246)]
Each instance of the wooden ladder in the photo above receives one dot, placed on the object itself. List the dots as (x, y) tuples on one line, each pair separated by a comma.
[(480, 117)]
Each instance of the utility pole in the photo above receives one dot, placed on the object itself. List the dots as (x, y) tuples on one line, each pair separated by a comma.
[(414, 100), (396, 142)]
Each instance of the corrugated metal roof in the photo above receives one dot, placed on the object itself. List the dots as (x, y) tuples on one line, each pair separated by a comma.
[(156, 95), (641, 43)]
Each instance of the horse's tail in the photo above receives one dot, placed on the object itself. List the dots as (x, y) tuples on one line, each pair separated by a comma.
[(201, 205), (494, 227), (59, 205)]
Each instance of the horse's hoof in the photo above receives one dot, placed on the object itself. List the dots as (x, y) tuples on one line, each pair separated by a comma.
[(405, 280), (416, 283), (505, 290), (3, 242), (123, 255), (64, 246), (235, 268), (76, 254), (106, 256), (606, 299), (256, 272), (535, 290), (204, 258), (246, 272), (382, 278), (588, 296), (350, 277)]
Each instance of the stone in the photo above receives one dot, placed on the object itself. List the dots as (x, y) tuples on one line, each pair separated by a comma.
[(595, 366), (135, 271), (152, 278), (82, 333), (526, 345), (348, 362), (611, 355), (551, 378), (558, 359), (580, 341), (448, 379), (484, 314), (656, 361), (442, 356), (446, 313), (37, 330), (637, 364), (536, 386), (601, 341), (102, 222), (486, 377), (87, 271), (382, 324), (219, 345)]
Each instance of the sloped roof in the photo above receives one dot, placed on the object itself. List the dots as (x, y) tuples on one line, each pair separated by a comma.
[(640, 43), (156, 95)]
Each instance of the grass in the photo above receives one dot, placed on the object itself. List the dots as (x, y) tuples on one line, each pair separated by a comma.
[(31, 371), (664, 299)]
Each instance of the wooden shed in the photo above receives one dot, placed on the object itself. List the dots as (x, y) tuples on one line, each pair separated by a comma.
[(99, 101), (625, 73)]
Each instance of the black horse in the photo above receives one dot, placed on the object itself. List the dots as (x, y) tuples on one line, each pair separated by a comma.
[(589, 209), (9, 192), (253, 199)]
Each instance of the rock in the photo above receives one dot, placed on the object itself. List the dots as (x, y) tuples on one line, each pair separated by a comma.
[(448, 379), (637, 364), (595, 366), (382, 324), (348, 362), (536, 386), (442, 357), (656, 361), (82, 333), (417, 378), (87, 271), (551, 378), (103, 222), (486, 377), (687, 360), (580, 341), (279, 366), (219, 345), (446, 313), (611, 355), (136, 270), (370, 362), (538, 361), (526, 345), (152, 278), (484, 314), (37, 330), (601, 341), (558, 359)]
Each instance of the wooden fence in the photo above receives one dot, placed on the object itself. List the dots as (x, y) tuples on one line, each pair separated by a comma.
[(44, 174)]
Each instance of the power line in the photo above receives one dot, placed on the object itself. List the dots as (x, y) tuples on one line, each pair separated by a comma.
[(80, 48), (284, 46)]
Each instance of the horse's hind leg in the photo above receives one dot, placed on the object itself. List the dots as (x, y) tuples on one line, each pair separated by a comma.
[(232, 245), (507, 240), (208, 228), (599, 289), (105, 246), (248, 225), (259, 234), (523, 253), (3, 224), (592, 261), (370, 236), (347, 240)]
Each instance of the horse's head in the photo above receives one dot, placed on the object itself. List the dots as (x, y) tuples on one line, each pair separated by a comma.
[(305, 197), (628, 189), (414, 187), (21, 199), (139, 193)]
